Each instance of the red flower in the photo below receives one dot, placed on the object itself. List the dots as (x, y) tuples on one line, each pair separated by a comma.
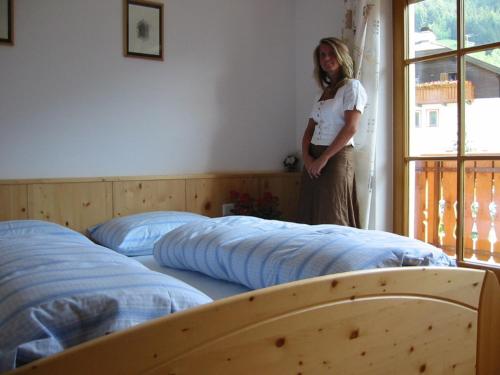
[(265, 207), (234, 195)]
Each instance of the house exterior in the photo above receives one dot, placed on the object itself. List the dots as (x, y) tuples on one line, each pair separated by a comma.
[(435, 102)]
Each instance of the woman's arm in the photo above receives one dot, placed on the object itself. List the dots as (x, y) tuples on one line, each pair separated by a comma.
[(306, 142), (345, 134)]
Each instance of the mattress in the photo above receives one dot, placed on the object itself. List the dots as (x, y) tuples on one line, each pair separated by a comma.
[(214, 288)]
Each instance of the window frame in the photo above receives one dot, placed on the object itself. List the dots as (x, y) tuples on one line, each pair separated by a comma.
[(401, 123)]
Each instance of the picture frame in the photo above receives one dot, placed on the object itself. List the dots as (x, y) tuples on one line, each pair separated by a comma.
[(7, 22), (143, 31)]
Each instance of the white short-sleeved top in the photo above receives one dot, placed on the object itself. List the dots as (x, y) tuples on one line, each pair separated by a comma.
[(329, 114)]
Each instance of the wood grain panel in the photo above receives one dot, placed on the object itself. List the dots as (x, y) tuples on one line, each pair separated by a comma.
[(489, 327), (206, 196), (13, 202), (75, 205), (82, 202), (131, 197), (286, 188), (318, 329)]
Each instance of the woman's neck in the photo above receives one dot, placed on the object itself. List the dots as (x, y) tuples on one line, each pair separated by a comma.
[(334, 78)]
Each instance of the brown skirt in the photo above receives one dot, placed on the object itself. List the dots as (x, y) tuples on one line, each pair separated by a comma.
[(330, 198)]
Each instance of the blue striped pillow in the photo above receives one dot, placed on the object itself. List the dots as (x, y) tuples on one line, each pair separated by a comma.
[(135, 235), (57, 292), (25, 228)]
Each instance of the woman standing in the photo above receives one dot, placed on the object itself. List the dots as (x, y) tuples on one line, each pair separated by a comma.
[(328, 189)]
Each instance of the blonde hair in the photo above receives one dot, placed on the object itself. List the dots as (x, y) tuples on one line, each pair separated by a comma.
[(343, 57)]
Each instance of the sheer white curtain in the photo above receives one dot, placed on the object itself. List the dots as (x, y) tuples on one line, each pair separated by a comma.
[(361, 32)]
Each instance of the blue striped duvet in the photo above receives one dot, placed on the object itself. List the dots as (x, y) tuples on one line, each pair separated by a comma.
[(57, 291), (260, 253)]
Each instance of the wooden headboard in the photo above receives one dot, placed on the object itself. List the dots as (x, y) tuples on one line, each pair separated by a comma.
[(81, 202)]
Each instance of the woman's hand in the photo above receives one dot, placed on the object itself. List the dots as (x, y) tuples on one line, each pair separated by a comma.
[(306, 142), (317, 166), (308, 161)]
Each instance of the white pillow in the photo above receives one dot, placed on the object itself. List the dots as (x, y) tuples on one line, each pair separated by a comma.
[(136, 234)]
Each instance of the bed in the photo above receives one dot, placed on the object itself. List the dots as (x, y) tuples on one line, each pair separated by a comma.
[(382, 321), (388, 321)]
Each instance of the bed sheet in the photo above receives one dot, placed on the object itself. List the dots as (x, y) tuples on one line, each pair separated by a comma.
[(214, 288)]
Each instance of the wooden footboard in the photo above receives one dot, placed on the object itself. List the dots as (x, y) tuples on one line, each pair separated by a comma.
[(388, 321)]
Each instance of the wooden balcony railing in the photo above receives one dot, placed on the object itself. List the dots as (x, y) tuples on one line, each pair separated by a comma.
[(435, 217), (440, 92)]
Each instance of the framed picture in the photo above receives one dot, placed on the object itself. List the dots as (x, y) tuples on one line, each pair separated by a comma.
[(7, 21), (143, 29)]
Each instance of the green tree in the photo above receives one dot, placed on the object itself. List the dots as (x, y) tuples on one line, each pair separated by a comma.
[(482, 19), (482, 24)]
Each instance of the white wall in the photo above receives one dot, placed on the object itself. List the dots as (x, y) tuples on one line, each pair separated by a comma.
[(315, 19), (72, 105), (233, 93)]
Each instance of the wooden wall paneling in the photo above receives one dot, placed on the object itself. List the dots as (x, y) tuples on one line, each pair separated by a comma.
[(75, 205), (206, 195), (13, 202), (286, 188), (79, 203), (131, 197)]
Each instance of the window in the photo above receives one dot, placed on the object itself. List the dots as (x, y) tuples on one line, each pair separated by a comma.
[(417, 118), (432, 118), (447, 165)]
